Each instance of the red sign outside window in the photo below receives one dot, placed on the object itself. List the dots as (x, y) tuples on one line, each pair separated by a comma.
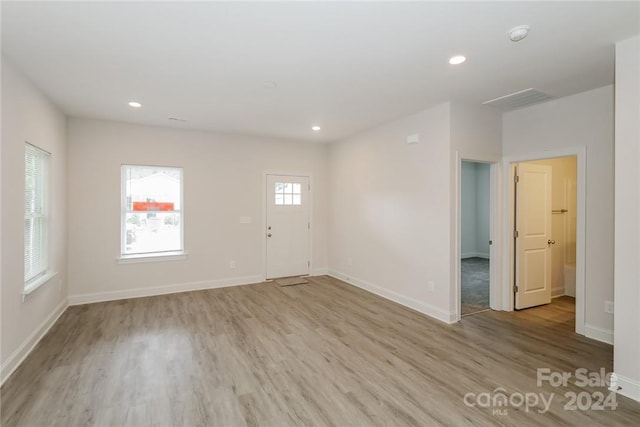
[(152, 206)]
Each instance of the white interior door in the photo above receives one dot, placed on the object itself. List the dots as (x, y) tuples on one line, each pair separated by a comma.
[(533, 230), (288, 226)]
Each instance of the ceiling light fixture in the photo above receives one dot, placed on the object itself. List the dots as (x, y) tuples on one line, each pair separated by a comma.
[(315, 128), (456, 60), (135, 104), (518, 33)]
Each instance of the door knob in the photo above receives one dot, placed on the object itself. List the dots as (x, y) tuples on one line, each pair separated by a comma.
[(269, 235), (551, 242)]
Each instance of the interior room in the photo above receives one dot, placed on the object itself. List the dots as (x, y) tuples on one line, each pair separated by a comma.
[(259, 213), (475, 241)]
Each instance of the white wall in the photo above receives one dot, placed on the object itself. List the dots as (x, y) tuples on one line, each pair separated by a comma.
[(474, 210), (627, 211), (27, 115), (482, 209), (223, 180), (394, 207), (581, 120), (389, 215), (468, 208)]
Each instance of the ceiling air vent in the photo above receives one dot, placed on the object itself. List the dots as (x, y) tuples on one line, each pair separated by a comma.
[(519, 99)]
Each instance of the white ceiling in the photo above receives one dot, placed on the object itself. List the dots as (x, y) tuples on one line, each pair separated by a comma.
[(344, 66)]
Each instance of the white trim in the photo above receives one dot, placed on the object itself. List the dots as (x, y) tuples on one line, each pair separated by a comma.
[(161, 290), (626, 387), (151, 257), (16, 358), (598, 334), (580, 152), (557, 292), (406, 301), (36, 283)]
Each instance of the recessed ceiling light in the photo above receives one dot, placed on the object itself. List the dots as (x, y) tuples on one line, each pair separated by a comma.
[(315, 128), (135, 104), (456, 60), (518, 33)]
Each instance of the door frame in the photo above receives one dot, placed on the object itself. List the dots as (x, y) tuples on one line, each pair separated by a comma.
[(263, 230), (494, 232), (580, 152)]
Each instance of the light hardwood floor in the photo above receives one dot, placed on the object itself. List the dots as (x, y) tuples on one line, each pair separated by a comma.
[(324, 353)]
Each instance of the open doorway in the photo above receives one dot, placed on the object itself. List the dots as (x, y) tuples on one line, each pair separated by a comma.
[(474, 238), (545, 226)]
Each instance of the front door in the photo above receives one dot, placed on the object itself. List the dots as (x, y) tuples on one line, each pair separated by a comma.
[(533, 235), (288, 226)]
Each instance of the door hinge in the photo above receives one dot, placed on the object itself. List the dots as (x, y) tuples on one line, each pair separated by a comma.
[(490, 242), (516, 179), (515, 234), (308, 263), (309, 225), (515, 288)]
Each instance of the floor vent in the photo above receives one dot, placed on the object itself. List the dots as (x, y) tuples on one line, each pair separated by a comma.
[(519, 99)]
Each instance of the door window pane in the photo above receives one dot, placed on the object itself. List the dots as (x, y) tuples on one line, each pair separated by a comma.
[(288, 193)]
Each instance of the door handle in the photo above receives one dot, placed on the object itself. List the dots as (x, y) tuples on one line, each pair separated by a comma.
[(551, 242)]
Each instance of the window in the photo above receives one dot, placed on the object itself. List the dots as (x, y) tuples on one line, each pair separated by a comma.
[(36, 215), (288, 193), (151, 221)]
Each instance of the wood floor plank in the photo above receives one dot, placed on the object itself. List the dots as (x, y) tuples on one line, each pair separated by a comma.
[(317, 354)]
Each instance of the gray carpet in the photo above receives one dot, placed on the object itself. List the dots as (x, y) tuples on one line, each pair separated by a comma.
[(475, 285)]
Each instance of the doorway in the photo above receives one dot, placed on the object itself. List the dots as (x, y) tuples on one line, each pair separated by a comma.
[(288, 226), (553, 270), (474, 238), (545, 231)]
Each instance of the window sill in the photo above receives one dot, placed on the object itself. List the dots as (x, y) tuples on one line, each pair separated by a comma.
[(35, 284), (168, 256)]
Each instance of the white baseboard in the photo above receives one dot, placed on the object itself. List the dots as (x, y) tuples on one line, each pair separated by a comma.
[(162, 290), (626, 387), (557, 292), (429, 310), (599, 334), (319, 271), (19, 354), (474, 255)]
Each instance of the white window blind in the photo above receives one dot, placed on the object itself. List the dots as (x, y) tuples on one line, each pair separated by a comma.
[(36, 220)]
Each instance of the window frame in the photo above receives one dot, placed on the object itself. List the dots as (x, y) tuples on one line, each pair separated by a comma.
[(44, 274), (284, 194), (148, 256)]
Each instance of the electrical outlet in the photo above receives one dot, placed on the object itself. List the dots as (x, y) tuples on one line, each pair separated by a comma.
[(431, 286), (232, 264), (608, 307)]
